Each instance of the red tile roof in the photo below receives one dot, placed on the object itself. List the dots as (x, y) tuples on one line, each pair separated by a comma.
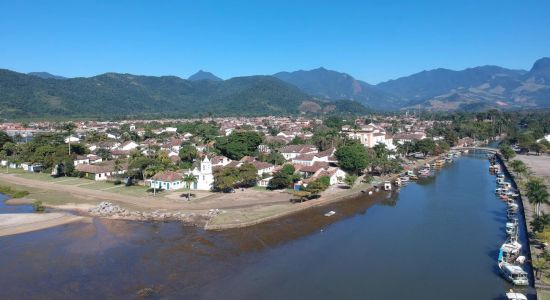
[(168, 176)]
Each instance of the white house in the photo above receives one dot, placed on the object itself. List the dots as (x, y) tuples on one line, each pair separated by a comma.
[(129, 145), (71, 139), (101, 171), (204, 175), (170, 129), (291, 151), (80, 160), (167, 180), (369, 135)]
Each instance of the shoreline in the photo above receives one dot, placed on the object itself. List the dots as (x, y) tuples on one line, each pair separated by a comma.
[(324, 200), (12, 224), (208, 218), (527, 217)]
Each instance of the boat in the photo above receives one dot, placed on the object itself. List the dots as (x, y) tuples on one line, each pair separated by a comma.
[(514, 274), (510, 250), (404, 179), (511, 227), (512, 215), (387, 186), (505, 185), (330, 213), (511, 295), (512, 205), (424, 172)]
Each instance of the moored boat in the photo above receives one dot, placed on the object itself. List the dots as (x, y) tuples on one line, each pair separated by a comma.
[(511, 295), (514, 274)]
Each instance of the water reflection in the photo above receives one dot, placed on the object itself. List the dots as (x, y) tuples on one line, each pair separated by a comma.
[(438, 237)]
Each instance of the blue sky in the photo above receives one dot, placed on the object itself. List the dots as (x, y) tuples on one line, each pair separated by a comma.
[(371, 40)]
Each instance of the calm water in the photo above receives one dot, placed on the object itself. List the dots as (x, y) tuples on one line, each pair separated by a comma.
[(13, 209), (437, 239)]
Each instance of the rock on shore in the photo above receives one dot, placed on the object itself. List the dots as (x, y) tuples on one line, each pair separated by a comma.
[(108, 209)]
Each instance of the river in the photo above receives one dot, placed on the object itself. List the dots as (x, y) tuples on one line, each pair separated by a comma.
[(435, 239)]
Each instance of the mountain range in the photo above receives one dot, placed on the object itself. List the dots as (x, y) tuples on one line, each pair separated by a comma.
[(41, 94), (440, 89), (126, 95)]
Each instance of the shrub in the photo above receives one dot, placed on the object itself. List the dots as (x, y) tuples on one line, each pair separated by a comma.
[(37, 206)]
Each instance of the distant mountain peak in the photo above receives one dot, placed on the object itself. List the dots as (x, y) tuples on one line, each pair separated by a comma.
[(46, 75), (541, 66), (204, 75)]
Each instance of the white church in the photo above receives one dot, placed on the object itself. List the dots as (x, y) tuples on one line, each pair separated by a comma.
[(205, 178)]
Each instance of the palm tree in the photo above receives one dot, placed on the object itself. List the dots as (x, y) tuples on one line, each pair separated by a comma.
[(518, 167), (537, 193), (189, 179), (69, 128)]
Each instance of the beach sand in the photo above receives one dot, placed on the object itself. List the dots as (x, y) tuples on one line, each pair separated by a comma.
[(20, 223)]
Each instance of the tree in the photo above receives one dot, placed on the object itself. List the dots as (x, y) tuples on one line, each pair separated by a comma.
[(405, 148), (318, 185), (297, 140), (105, 154), (353, 156), (189, 179), (248, 175), (69, 128), (225, 179), (518, 167), (537, 193), (350, 180), (538, 148), (425, 146), (273, 157), (239, 144), (302, 195), (280, 180), (138, 164), (188, 153), (288, 169), (4, 138), (506, 151)]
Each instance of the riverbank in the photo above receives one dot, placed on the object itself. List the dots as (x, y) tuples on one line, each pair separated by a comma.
[(239, 219), (213, 211), (528, 213), (538, 165)]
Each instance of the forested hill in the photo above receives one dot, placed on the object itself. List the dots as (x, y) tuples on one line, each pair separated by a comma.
[(121, 95)]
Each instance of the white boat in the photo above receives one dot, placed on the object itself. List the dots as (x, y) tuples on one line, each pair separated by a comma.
[(510, 250), (387, 186), (514, 274), (330, 213), (512, 206), (424, 172), (511, 228), (511, 295)]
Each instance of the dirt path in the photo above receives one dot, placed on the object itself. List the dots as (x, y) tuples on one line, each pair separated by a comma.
[(170, 201)]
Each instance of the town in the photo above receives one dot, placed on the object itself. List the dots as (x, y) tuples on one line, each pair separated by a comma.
[(223, 171)]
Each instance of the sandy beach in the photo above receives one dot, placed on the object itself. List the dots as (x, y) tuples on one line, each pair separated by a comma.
[(20, 223)]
